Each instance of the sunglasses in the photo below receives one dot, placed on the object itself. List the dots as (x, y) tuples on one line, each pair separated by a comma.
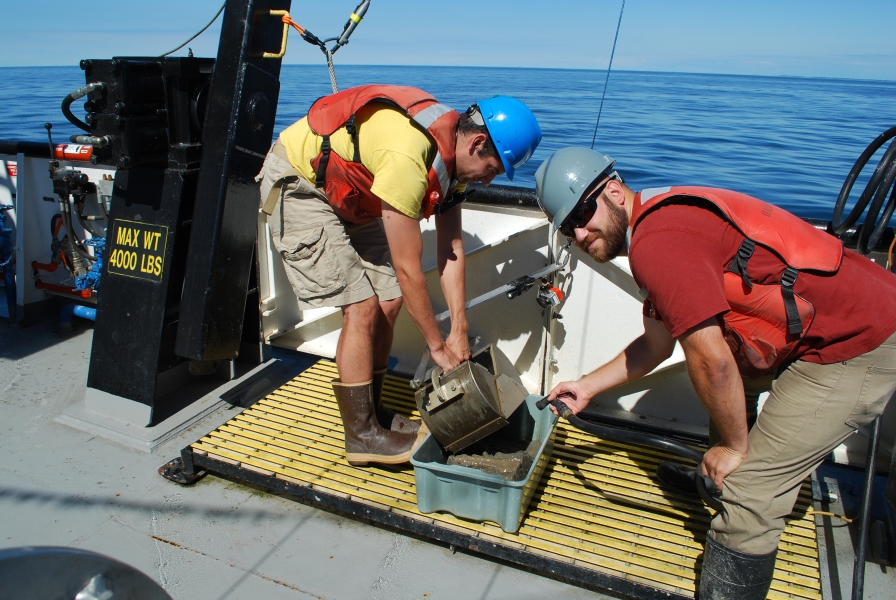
[(582, 213)]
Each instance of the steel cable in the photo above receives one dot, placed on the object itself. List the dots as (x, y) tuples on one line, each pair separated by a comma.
[(201, 31), (607, 80)]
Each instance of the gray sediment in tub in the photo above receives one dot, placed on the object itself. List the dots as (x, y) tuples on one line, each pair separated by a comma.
[(509, 459)]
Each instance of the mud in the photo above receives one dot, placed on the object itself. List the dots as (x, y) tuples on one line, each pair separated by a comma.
[(509, 459)]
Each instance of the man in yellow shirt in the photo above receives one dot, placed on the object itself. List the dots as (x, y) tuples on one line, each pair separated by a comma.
[(344, 189)]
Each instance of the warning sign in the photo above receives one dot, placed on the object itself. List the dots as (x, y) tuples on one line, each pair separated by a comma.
[(137, 250)]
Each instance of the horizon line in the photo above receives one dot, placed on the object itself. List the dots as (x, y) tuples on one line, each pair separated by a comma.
[(315, 64)]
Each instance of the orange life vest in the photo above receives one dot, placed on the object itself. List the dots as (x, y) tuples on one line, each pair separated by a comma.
[(347, 182), (766, 322)]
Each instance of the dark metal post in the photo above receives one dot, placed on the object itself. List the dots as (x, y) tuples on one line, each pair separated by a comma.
[(242, 104), (858, 571), (188, 136), (147, 109), (891, 482)]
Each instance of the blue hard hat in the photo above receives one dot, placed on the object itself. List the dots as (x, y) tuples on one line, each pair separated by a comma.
[(512, 128)]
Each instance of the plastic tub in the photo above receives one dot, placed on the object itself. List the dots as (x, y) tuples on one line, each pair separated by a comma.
[(473, 494)]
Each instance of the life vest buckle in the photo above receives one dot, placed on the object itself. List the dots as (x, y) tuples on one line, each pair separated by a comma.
[(739, 264), (788, 278), (321, 176)]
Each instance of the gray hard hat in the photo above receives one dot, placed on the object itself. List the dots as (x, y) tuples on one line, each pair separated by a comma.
[(561, 180)]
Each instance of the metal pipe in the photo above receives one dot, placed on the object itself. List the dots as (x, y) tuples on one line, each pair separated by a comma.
[(891, 480), (29, 149), (858, 570), (100, 141), (351, 24), (61, 289)]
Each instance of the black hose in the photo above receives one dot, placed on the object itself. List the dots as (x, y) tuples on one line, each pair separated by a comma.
[(78, 93), (75, 241), (67, 113), (85, 224), (707, 489), (879, 186), (76, 207)]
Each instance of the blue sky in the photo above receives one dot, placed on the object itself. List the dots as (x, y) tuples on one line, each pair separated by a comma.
[(811, 39)]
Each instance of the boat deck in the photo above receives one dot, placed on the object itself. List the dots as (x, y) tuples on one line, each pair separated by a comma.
[(598, 519)]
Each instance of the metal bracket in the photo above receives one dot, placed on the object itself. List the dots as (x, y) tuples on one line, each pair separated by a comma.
[(176, 472), (422, 375), (281, 14), (520, 285), (443, 394)]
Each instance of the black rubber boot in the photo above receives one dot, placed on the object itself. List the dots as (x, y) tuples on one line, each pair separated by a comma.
[(677, 477), (388, 418), (731, 575), (365, 440)]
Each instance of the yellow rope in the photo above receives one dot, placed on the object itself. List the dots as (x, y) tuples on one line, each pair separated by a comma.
[(890, 254), (828, 514)]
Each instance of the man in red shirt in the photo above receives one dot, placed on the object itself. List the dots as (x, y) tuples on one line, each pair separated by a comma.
[(751, 293)]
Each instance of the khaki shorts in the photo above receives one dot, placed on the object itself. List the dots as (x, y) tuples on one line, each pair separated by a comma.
[(328, 262)]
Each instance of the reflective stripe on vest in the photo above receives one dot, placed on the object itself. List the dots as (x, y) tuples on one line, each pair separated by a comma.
[(766, 322), (425, 118)]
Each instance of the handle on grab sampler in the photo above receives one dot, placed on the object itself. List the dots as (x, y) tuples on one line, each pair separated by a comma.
[(708, 491)]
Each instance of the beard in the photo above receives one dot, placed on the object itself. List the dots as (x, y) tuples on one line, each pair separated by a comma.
[(613, 236)]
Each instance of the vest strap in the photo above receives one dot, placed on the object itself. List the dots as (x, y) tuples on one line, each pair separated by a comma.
[(321, 175), (353, 131), (739, 263), (788, 279), (451, 201)]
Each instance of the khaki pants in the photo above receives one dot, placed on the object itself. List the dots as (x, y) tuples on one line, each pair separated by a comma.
[(328, 262), (752, 389), (812, 408)]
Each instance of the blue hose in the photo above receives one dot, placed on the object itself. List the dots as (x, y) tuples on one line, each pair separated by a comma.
[(76, 310), (7, 269)]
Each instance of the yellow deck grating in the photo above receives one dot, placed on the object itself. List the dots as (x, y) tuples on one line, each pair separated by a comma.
[(598, 506)]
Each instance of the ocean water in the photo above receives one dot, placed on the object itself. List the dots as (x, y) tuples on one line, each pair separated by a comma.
[(788, 140)]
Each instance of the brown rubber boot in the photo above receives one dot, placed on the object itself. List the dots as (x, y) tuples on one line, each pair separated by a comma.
[(365, 440), (388, 418)]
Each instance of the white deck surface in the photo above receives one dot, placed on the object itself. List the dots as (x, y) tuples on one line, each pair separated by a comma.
[(214, 540)]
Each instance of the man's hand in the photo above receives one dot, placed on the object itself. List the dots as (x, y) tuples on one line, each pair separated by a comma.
[(713, 371), (447, 358), (459, 344), (572, 393), (719, 462)]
